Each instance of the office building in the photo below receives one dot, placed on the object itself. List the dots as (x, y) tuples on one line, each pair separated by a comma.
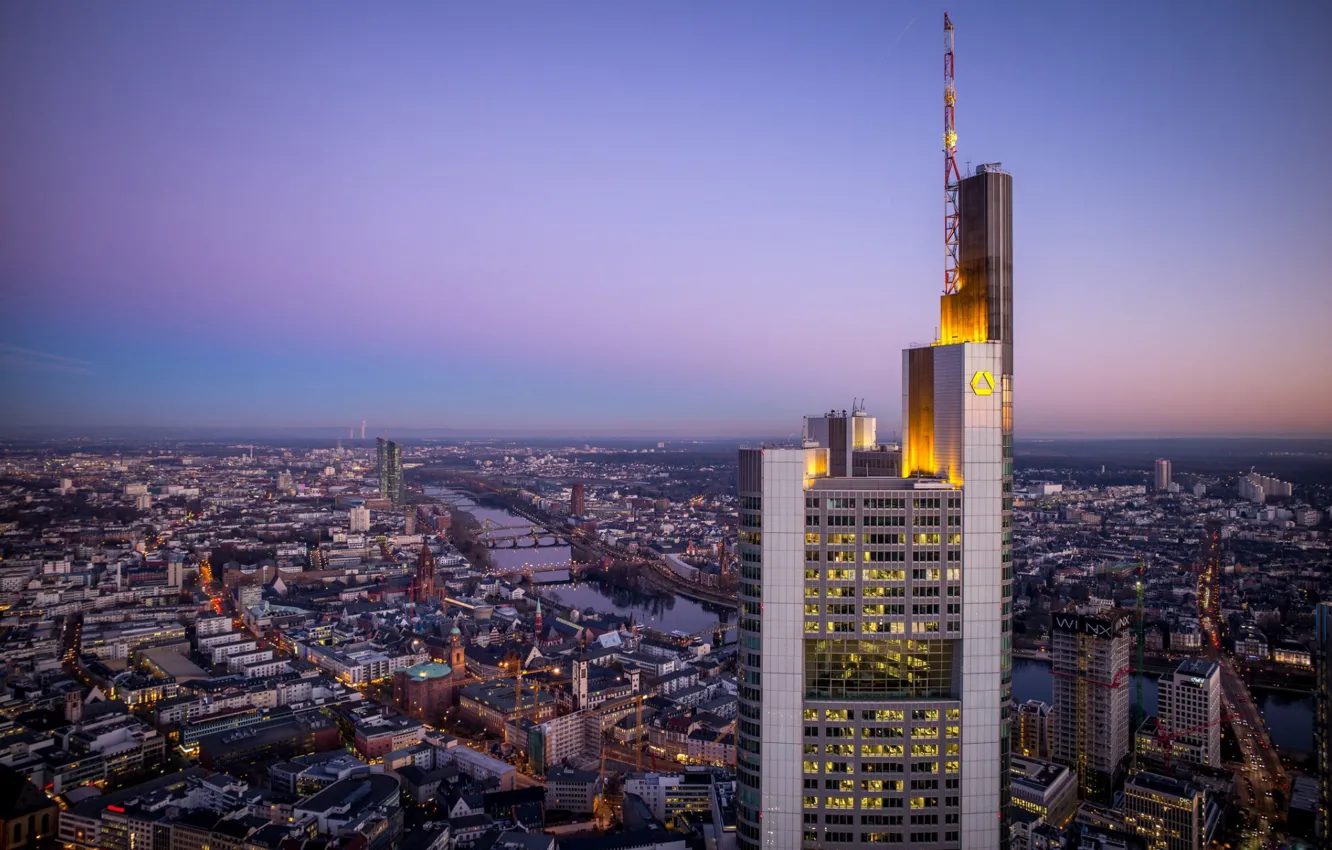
[(669, 795), (1162, 480), (1090, 663), (1044, 788), (1189, 708), (875, 638), (1168, 813), (578, 501), (358, 519), (1034, 730), (390, 470), (1323, 717)]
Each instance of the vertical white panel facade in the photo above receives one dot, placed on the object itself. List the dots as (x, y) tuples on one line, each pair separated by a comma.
[(783, 683), (968, 433)]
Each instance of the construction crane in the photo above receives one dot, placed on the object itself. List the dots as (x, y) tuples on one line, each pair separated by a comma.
[(1166, 739), (1138, 668), (952, 180), (1083, 680)]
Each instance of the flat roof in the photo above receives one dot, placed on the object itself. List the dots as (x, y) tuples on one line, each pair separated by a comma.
[(1199, 667), (1036, 772), (175, 665), (1163, 784)]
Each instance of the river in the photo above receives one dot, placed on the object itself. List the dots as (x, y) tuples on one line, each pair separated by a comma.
[(1289, 718), (665, 614)]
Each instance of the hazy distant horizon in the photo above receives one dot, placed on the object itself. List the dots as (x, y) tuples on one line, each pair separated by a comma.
[(332, 434), (657, 217)]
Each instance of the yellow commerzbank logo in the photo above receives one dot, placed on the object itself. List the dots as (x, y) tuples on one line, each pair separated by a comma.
[(982, 383)]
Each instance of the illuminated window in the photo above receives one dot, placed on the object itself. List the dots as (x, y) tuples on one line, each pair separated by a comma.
[(878, 669)]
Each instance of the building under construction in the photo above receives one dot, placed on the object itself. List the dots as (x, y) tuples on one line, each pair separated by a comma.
[(1090, 655)]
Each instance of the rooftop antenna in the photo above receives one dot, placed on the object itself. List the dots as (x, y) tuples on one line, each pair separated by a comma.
[(952, 179)]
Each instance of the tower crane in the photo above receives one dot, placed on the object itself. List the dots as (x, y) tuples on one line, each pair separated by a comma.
[(1166, 739)]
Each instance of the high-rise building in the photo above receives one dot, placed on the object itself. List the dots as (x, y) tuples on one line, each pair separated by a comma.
[(409, 521), (1189, 708), (1168, 813), (358, 519), (1323, 717), (875, 586), (390, 470), (1162, 480), (1034, 730), (1090, 663), (577, 502), (1259, 488)]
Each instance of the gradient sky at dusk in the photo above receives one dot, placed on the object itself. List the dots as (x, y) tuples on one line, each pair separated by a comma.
[(690, 218)]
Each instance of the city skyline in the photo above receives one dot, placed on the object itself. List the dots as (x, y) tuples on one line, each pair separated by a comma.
[(480, 218)]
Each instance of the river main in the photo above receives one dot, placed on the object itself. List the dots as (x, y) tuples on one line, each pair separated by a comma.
[(1289, 718), (662, 613)]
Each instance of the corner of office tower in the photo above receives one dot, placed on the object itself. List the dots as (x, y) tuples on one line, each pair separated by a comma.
[(952, 409)]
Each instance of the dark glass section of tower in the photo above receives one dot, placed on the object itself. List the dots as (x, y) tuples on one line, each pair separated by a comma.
[(986, 250), (390, 470)]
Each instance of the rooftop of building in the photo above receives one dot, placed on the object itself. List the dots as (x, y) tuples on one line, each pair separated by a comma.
[(560, 773), (1199, 667), (368, 790), (1158, 784), (1036, 772), (429, 670), (175, 665), (883, 482), (500, 695)]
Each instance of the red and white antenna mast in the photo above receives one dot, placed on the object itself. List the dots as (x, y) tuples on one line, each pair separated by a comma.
[(951, 177)]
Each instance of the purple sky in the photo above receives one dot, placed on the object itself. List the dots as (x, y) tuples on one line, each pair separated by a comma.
[(690, 218)]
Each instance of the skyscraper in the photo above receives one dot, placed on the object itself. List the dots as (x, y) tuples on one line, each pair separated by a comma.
[(1189, 708), (390, 470), (1090, 663), (1323, 716), (875, 587), (1162, 480), (577, 503)]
